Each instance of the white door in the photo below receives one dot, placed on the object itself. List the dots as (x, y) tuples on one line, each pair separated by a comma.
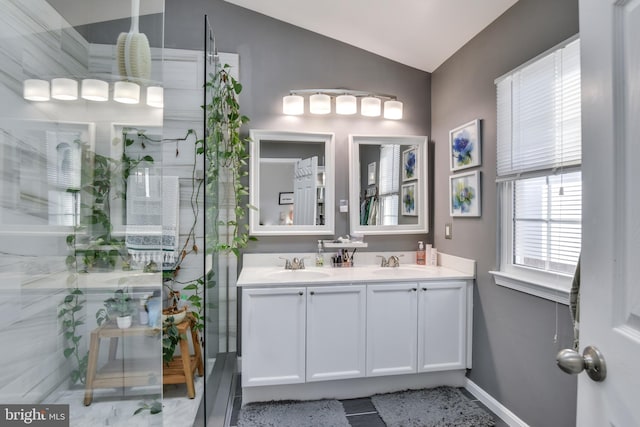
[(442, 326), (610, 273), (392, 327), (273, 336), (305, 189), (336, 324)]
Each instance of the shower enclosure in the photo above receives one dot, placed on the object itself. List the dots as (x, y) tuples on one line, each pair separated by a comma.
[(102, 214)]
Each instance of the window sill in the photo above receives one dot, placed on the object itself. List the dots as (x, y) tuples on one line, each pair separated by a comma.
[(532, 286)]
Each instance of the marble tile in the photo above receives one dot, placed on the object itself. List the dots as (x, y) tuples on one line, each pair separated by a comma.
[(177, 409)]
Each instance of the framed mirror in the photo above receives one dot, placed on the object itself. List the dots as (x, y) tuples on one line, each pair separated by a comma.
[(388, 184), (291, 183)]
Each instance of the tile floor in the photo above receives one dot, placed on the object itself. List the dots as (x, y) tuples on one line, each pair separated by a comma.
[(360, 412)]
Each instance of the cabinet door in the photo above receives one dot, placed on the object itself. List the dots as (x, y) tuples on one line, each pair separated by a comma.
[(273, 336), (336, 325), (391, 329), (442, 325)]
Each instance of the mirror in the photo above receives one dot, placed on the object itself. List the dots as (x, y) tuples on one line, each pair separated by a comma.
[(388, 184), (291, 183)]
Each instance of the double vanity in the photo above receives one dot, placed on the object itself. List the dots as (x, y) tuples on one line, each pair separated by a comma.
[(323, 332)]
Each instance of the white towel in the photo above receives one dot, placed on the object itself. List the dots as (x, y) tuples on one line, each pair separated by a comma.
[(152, 230)]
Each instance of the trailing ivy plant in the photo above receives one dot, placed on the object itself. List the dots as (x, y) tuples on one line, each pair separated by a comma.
[(226, 154), (70, 313)]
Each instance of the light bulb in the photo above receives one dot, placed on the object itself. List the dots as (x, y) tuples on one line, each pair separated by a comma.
[(95, 90), (393, 110), (155, 96), (293, 105), (320, 104), (346, 104), (64, 89), (370, 106), (126, 93), (36, 90)]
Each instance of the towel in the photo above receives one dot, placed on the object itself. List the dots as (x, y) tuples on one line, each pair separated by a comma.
[(152, 230)]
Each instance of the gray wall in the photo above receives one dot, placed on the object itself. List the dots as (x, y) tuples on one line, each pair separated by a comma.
[(513, 345), (276, 57)]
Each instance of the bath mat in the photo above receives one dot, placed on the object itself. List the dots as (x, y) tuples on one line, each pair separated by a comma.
[(436, 407), (316, 413)]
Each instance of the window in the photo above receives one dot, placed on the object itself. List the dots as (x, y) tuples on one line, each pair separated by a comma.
[(538, 169), (389, 183)]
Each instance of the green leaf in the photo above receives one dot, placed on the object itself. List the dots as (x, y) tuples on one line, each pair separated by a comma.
[(68, 352)]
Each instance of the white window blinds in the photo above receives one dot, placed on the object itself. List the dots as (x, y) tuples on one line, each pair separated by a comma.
[(389, 183), (538, 160), (539, 115)]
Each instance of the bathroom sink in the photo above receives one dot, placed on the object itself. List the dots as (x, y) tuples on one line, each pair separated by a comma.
[(297, 275)]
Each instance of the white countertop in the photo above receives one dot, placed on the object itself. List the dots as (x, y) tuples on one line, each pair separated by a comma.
[(268, 270)]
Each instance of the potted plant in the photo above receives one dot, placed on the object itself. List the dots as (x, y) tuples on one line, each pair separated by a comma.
[(122, 306)]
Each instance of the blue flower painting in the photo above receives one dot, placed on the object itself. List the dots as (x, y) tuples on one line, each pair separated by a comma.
[(409, 199), (465, 146), (409, 170), (465, 194)]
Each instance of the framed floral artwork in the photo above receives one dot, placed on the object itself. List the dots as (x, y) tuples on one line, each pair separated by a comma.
[(465, 146), (409, 164), (464, 194), (409, 202)]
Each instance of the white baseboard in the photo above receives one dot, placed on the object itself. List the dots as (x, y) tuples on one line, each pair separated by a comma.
[(496, 407)]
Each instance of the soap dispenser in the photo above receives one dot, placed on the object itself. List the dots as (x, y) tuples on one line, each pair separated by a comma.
[(319, 255), (421, 255)]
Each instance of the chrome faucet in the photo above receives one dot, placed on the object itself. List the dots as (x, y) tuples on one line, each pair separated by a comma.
[(393, 261), (294, 264)]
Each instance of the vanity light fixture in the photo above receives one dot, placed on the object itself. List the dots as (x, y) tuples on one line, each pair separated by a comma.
[(36, 90), (64, 89), (346, 103)]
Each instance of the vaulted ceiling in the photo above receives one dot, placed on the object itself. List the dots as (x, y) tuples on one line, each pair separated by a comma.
[(418, 33)]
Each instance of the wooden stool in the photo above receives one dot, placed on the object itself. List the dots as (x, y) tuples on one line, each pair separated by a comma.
[(181, 369), (117, 372)]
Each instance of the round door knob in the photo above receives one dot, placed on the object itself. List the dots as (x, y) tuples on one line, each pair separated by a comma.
[(592, 361)]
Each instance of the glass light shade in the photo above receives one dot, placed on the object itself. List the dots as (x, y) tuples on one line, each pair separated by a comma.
[(155, 96), (346, 104), (320, 104), (126, 92), (36, 90), (64, 89), (393, 110), (293, 105), (370, 106), (95, 90)]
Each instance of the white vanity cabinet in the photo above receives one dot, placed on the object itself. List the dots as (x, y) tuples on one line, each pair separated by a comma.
[(416, 327), (392, 325), (296, 334), (442, 326), (273, 336), (336, 321), (345, 333)]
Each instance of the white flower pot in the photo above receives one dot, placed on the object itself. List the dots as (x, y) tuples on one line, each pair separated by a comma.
[(124, 322)]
